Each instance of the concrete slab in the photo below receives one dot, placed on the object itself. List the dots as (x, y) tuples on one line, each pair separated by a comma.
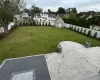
[(37, 63), (96, 77)]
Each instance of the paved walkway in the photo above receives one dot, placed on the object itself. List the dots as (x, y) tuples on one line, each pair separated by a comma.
[(23, 64)]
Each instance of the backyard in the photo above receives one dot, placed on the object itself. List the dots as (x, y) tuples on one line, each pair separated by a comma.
[(26, 41)]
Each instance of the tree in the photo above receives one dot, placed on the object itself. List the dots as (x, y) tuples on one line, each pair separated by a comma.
[(35, 9), (74, 10), (28, 11), (7, 11), (72, 15), (61, 10), (49, 11)]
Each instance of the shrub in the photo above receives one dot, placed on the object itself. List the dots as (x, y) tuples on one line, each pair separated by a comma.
[(31, 23), (89, 33), (15, 25), (43, 24), (78, 30), (24, 23), (70, 27), (74, 28), (81, 30), (78, 22), (34, 23), (20, 24), (85, 31), (37, 23), (95, 34), (49, 24), (40, 24), (46, 24)]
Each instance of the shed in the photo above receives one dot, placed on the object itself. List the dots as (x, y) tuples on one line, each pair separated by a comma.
[(58, 22)]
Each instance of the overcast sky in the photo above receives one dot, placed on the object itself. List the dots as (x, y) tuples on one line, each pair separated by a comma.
[(81, 5)]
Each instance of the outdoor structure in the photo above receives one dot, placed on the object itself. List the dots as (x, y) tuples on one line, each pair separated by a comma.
[(22, 17), (45, 18), (58, 22)]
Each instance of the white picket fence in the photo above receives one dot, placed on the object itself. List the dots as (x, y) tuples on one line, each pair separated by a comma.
[(82, 30)]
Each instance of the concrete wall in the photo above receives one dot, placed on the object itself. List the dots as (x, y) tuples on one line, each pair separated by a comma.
[(83, 29)]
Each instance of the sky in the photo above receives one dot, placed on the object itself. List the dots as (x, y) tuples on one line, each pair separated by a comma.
[(81, 5)]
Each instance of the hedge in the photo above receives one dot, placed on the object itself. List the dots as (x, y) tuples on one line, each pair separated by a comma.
[(78, 22)]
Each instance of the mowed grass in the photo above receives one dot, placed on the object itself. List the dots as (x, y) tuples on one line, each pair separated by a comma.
[(26, 41)]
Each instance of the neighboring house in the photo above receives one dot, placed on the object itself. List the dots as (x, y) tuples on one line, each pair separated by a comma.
[(94, 27), (45, 18), (82, 16), (59, 22), (89, 17), (22, 17)]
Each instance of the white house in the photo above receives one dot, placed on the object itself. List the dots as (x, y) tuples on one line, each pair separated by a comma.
[(22, 17), (45, 18), (59, 22)]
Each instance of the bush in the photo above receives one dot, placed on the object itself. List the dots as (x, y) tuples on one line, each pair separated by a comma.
[(75, 28), (46, 24), (49, 24), (81, 30), (78, 30), (34, 23), (79, 22), (24, 23), (21, 24), (40, 24), (37, 24), (43, 24), (15, 25), (70, 27), (31, 23), (85, 31), (89, 33), (95, 35)]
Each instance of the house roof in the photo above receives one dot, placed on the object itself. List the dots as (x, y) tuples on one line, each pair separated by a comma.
[(49, 15), (58, 19), (52, 15)]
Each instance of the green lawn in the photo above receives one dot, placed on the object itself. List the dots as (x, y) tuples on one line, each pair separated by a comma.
[(26, 41)]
